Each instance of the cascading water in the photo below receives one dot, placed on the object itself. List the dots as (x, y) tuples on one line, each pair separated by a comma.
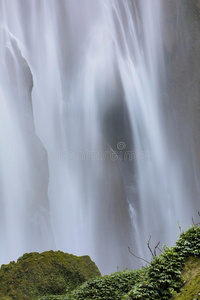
[(95, 73), (24, 170)]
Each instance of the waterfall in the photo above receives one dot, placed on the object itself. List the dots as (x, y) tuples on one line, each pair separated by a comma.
[(24, 168), (90, 163)]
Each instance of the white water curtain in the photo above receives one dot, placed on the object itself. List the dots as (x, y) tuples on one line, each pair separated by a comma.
[(82, 81)]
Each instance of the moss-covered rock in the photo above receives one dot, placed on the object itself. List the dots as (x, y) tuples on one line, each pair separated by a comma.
[(48, 273), (191, 279)]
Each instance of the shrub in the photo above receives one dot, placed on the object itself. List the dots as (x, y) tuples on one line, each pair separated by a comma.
[(47, 273), (109, 287), (164, 273)]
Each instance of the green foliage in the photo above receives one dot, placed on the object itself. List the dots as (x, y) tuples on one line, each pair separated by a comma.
[(109, 287), (188, 243), (52, 297), (164, 273), (161, 280), (48, 273)]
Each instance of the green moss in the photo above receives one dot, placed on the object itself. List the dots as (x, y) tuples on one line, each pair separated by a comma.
[(48, 273), (191, 279)]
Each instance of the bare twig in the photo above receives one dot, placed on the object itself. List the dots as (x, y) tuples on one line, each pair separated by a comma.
[(193, 222), (138, 256), (153, 252), (156, 247), (148, 244), (160, 250)]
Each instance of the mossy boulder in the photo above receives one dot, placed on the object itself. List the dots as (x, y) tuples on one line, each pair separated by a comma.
[(48, 273)]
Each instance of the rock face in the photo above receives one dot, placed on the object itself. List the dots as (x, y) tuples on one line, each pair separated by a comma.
[(47, 273), (181, 31), (182, 49)]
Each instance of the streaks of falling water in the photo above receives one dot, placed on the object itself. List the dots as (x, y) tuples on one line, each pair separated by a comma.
[(96, 68), (24, 170)]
